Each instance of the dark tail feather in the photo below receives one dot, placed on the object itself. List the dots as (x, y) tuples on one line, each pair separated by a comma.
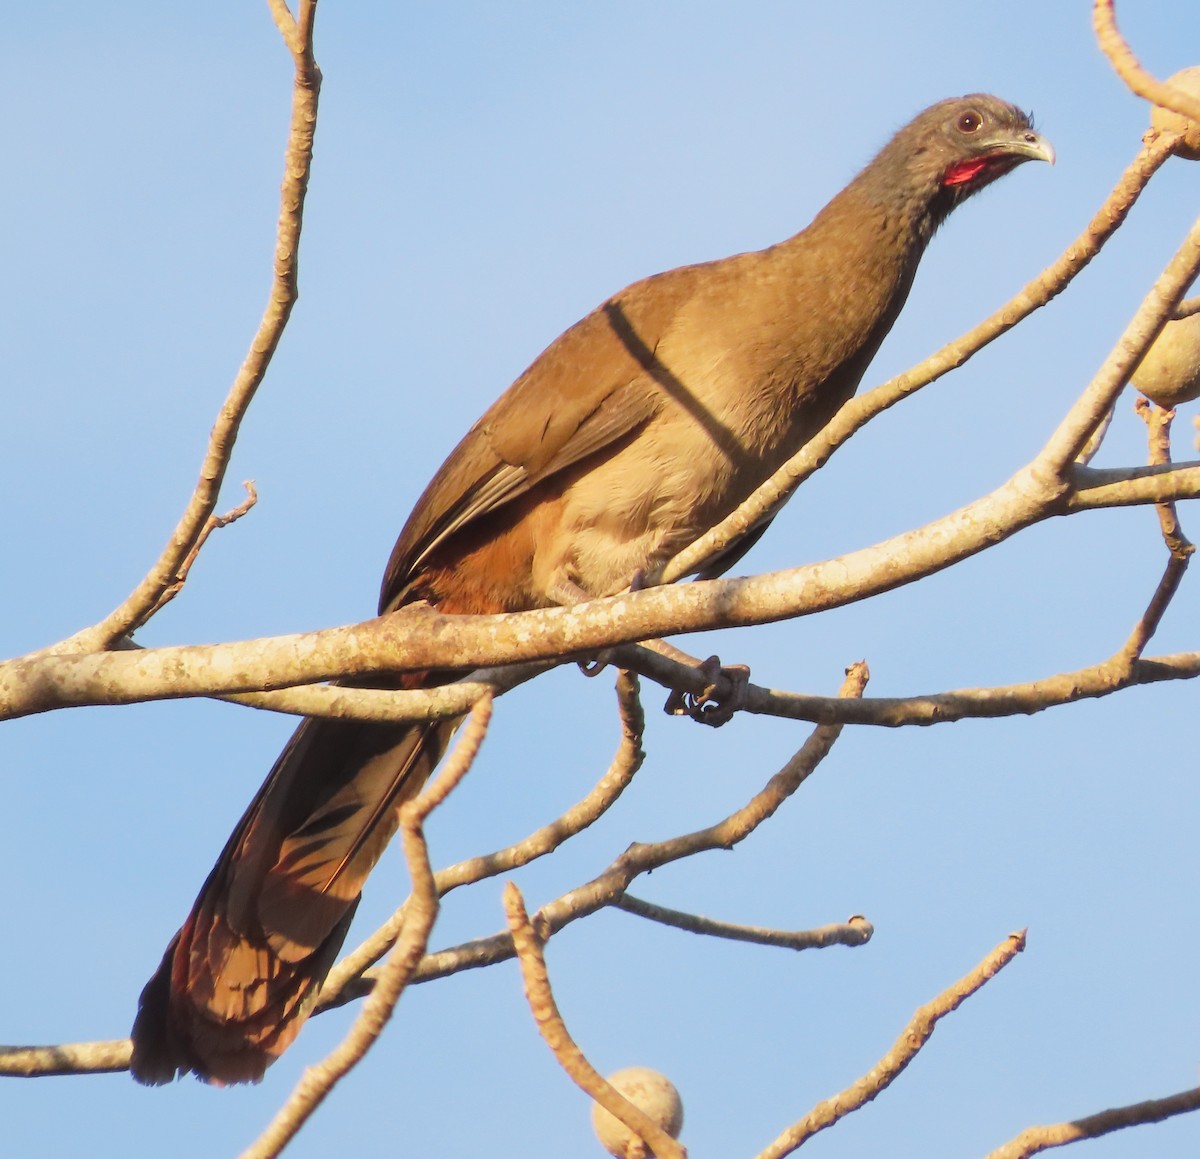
[(240, 977)]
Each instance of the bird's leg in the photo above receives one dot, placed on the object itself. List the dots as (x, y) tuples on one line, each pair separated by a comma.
[(568, 592)]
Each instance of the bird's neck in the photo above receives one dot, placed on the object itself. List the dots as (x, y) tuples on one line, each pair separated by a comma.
[(856, 263), (882, 212)]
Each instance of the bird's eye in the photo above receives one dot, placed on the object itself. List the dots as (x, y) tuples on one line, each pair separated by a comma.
[(970, 123)]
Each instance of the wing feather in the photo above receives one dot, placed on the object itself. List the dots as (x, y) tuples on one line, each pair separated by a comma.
[(588, 390)]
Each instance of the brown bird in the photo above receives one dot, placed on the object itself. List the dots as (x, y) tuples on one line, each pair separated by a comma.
[(635, 431)]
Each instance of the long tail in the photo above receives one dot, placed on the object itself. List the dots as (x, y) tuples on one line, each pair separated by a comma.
[(240, 977)]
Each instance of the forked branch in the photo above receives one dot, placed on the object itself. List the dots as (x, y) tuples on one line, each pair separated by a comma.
[(169, 570)]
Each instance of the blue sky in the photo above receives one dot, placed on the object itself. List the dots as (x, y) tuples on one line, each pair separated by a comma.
[(484, 176)]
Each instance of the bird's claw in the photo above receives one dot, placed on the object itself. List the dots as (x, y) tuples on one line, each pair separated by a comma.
[(723, 695)]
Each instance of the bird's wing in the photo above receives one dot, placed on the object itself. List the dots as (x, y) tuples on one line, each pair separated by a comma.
[(588, 390)]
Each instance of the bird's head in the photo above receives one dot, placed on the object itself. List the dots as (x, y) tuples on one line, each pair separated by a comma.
[(958, 146)]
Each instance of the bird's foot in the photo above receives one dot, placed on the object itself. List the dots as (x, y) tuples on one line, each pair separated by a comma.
[(593, 665), (723, 695)]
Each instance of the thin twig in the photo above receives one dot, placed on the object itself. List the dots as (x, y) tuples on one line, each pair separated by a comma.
[(214, 523), (1095, 488), (1118, 672), (1035, 1139), (1158, 423), (903, 1051), (317, 1081), (856, 931), (147, 596), (528, 941), (1179, 549)]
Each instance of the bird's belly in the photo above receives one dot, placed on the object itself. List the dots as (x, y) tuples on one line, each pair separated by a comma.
[(631, 514)]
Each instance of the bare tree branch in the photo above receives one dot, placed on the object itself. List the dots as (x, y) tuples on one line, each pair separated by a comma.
[(98, 1057), (1114, 46), (1186, 309), (286, 23), (1179, 550), (642, 858), (914, 1036), (1024, 500), (384, 705), (427, 639), (29, 1062), (1068, 441), (190, 532), (1097, 488), (1118, 672), (214, 523), (528, 940), (1158, 424), (99, 665), (856, 931), (1035, 1139)]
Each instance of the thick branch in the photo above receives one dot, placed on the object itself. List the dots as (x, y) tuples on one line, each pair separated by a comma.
[(428, 639)]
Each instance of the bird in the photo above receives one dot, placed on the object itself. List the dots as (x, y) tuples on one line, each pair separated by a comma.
[(637, 429)]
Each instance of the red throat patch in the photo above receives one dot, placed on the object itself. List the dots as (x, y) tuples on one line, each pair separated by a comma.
[(963, 171)]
